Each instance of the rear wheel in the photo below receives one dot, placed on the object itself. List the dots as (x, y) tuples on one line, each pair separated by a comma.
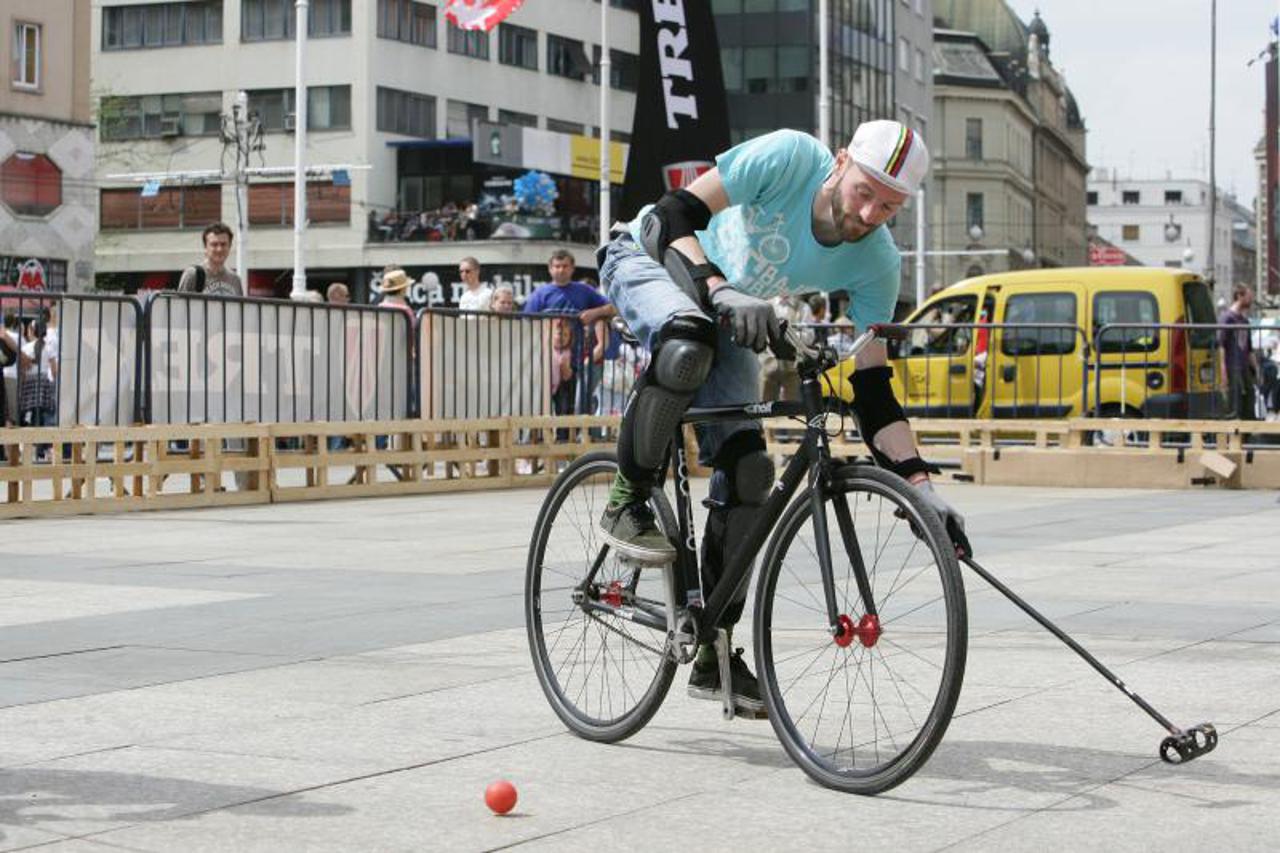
[(862, 711), (604, 674)]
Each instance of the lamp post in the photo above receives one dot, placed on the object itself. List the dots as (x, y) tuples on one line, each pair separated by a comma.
[(299, 153), (605, 69)]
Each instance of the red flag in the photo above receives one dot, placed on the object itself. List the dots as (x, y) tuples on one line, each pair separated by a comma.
[(479, 14)]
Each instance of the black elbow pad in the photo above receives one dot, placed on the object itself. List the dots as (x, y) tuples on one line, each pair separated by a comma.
[(873, 401), (677, 214)]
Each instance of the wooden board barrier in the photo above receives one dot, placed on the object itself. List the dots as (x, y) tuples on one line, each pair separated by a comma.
[(62, 471)]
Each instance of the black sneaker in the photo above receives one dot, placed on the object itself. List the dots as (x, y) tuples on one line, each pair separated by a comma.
[(704, 683), (631, 529)]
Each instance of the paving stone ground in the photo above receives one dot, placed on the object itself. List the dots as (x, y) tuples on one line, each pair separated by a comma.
[(350, 675)]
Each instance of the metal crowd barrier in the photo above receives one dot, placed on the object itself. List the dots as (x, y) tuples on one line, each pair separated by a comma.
[(968, 370), (1164, 370), (217, 359), (97, 344), (482, 365)]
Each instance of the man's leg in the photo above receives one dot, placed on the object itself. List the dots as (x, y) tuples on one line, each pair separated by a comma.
[(741, 480), (682, 340)]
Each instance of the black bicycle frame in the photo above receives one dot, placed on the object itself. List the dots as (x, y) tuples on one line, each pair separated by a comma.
[(812, 457)]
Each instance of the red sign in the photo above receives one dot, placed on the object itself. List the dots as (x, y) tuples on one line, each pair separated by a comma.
[(1106, 256), (479, 14), (677, 175)]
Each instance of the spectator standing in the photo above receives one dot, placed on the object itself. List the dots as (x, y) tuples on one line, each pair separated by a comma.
[(1270, 375), (10, 352), (211, 276), (37, 395), (476, 296), (395, 284), (337, 294), (1239, 369), (503, 300), (564, 295)]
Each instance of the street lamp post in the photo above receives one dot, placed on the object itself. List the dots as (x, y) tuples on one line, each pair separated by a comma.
[(299, 152)]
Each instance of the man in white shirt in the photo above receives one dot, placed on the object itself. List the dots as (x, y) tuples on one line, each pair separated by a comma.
[(476, 297)]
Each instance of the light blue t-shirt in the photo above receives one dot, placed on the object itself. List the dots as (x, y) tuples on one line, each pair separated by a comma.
[(764, 240)]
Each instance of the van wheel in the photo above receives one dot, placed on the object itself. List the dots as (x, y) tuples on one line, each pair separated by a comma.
[(1113, 437)]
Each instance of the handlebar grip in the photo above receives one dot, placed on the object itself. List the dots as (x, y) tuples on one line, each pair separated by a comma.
[(782, 347)]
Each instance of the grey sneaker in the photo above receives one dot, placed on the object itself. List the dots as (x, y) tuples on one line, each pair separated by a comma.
[(631, 529)]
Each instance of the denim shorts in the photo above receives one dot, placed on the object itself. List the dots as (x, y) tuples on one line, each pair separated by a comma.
[(647, 298)]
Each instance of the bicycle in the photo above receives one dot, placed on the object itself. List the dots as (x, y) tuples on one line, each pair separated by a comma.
[(892, 610)]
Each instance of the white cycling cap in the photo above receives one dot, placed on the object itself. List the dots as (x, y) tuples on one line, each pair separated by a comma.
[(892, 153)]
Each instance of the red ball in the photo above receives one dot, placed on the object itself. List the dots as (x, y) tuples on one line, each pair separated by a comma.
[(500, 797)]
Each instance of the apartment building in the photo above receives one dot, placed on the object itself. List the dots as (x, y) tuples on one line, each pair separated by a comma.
[(395, 92), (48, 207)]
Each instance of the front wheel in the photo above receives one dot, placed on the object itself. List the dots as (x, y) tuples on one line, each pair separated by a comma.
[(862, 711)]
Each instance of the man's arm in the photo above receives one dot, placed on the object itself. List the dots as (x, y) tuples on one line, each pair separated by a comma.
[(709, 189), (894, 440)]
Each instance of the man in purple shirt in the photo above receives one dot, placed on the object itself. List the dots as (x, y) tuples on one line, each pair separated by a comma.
[(1239, 364), (563, 295)]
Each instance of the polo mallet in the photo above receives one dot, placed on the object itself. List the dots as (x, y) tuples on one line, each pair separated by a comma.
[(1181, 745)]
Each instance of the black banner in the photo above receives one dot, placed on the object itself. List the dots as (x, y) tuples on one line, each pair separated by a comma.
[(681, 120)]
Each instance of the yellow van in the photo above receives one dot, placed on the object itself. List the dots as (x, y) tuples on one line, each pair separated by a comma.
[(946, 369)]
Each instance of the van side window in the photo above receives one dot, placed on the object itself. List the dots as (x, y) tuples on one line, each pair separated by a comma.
[(1126, 308), (1039, 308), (1199, 304), (935, 338)]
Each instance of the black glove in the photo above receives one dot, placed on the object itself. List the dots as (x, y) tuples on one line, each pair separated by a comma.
[(753, 321)]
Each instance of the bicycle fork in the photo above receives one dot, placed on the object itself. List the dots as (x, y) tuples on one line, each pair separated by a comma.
[(841, 625)]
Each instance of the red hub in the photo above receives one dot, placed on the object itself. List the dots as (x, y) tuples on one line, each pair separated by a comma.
[(613, 595), (867, 631)]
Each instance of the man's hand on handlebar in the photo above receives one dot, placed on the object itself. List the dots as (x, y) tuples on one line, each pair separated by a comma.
[(752, 319)]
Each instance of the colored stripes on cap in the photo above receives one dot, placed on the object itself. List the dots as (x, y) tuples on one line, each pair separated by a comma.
[(899, 156)]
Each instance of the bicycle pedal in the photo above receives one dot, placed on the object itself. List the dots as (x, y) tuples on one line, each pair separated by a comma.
[(745, 714)]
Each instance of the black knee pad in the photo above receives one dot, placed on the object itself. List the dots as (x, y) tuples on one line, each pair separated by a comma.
[(743, 473), (682, 358)]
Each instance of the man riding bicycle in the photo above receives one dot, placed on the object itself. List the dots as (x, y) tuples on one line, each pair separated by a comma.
[(778, 214)]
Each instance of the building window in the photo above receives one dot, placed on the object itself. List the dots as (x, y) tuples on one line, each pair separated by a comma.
[(268, 20), (518, 46), (1173, 196), (573, 127), (759, 69), (172, 207), (162, 25), (272, 204), (30, 184), (731, 67), (567, 58), (973, 210), (458, 118), (160, 116), (329, 18), (904, 54), (473, 43), (1130, 197), (1129, 233), (919, 66), (614, 135), (26, 56), (407, 21), (520, 119), (624, 69), (407, 113), (328, 108), (973, 139), (1091, 197)]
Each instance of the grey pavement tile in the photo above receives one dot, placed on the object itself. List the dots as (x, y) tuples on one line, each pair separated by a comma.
[(88, 794), (1139, 815)]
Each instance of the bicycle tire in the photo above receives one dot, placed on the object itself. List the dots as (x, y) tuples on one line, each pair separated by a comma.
[(918, 621), (577, 715)]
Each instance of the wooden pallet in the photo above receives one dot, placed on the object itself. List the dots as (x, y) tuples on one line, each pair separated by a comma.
[(117, 469)]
